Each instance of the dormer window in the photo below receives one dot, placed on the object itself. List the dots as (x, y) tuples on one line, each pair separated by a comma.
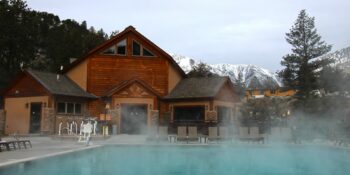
[(138, 50)]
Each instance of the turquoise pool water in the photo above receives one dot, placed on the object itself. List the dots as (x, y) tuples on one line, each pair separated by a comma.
[(191, 160)]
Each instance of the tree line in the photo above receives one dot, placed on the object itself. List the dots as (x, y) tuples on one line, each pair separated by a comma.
[(40, 40)]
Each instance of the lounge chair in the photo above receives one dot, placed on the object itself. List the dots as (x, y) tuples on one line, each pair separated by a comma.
[(243, 133), (212, 133), (22, 142), (223, 133), (163, 133), (286, 134), (152, 134), (192, 133), (275, 133), (254, 135), (181, 133)]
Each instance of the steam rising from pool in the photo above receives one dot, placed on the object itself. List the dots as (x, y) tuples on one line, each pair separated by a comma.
[(193, 160)]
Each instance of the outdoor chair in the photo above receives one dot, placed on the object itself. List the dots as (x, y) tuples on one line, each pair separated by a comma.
[(21, 142), (275, 133), (192, 133), (163, 133), (243, 133), (212, 133), (152, 134), (286, 134), (254, 135), (181, 133), (223, 133)]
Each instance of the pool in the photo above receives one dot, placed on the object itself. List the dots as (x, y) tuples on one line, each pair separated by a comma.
[(191, 160)]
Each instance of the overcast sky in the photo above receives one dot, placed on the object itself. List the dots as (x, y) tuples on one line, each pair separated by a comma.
[(216, 31)]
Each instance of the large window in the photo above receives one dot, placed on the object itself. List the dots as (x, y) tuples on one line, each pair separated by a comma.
[(68, 108), (189, 114), (119, 49), (138, 50), (224, 114)]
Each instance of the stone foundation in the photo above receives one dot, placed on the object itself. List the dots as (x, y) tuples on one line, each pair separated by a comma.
[(2, 122)]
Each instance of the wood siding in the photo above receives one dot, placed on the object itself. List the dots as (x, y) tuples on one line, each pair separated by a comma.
[(107, 71), (226, 93), (26, 87), (79, 74)]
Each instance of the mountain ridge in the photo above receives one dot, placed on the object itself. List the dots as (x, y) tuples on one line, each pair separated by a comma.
[(252, 76)]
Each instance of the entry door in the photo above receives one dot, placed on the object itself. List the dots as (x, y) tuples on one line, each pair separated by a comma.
[(134, 118), (35, 117)]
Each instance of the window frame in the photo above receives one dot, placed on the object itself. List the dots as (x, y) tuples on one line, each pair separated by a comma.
[(126, 47), (66, 108), (141, 50)]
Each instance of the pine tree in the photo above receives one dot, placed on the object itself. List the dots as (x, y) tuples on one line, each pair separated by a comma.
[(201, 70), (301, 67)]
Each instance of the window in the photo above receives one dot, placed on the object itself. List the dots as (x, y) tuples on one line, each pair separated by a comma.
[(77, 108), (189, 114), (68, 108), (147, 53), (224, 114), (61, 107), (121, 47), (136, 48), (109, 51)]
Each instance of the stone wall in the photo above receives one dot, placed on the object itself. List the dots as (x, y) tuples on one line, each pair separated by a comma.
[(2, 122), (154, 118), (48, 121)]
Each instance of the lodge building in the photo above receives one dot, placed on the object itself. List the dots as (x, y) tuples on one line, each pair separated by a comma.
[(127, 81)]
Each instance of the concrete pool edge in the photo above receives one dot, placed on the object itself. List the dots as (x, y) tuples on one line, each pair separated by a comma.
[(9, 163)]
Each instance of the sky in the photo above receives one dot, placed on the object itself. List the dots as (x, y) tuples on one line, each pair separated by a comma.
[(213, 31)]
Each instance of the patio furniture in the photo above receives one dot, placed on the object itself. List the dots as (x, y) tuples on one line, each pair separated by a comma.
[(212, 133), (8, 145), (181, 133), (192, 133), (254, 135), (243, 133), (223, 133), (162, 133), (152, 134)]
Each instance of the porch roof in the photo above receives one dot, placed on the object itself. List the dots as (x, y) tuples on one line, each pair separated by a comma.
[(197, 88)]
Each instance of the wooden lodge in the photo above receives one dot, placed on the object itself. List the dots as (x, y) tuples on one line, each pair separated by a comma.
[(272, 92), (128, 82)]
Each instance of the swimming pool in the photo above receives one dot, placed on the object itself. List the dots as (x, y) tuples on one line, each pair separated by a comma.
[(191, 160)]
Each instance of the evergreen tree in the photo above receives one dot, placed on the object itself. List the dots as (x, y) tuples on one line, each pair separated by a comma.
[(240, 86), (301, 67), (201, 70), (39, 40)]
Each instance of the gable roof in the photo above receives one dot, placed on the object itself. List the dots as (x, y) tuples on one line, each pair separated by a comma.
[(126, 83), (118, 36), (61, 86), (194, 88)]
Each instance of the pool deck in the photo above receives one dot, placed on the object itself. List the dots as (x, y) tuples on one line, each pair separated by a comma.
[(47, 146)]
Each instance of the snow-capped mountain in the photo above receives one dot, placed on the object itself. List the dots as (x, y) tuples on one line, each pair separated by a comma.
[(253, 76), (341, 58)]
